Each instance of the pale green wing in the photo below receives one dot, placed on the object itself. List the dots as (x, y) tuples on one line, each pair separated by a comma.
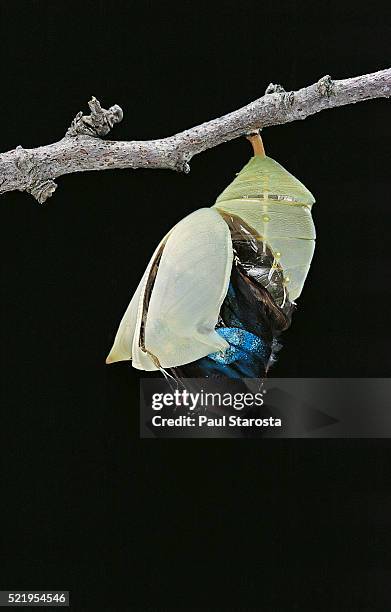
[(190, 286)]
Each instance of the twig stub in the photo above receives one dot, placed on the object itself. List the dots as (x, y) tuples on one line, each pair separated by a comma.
[(98, 123)]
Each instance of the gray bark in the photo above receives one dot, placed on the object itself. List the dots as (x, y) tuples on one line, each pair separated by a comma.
[(81, 149)]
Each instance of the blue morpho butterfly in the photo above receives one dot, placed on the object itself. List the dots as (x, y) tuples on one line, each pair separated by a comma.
[(221, 285)]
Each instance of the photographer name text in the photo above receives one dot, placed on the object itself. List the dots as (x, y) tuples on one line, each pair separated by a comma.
[(221, 421)]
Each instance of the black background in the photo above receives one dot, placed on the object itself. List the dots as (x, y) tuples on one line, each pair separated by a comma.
[(86, 506)]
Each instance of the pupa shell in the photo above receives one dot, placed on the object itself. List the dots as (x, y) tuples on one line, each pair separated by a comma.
[(176, 325), (172, 316), (278, 207)]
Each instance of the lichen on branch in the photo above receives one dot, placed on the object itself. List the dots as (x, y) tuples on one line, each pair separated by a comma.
[(98, 123)]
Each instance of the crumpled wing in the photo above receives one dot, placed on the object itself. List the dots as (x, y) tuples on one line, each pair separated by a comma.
[(189, 289)]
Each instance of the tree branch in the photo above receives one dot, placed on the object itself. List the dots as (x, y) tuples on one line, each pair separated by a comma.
[(34, 170)]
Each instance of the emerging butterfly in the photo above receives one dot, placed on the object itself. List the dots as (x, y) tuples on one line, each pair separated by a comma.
[(221, 285)]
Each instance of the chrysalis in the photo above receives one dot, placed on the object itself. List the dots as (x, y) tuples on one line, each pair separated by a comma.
[(220, 286)]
